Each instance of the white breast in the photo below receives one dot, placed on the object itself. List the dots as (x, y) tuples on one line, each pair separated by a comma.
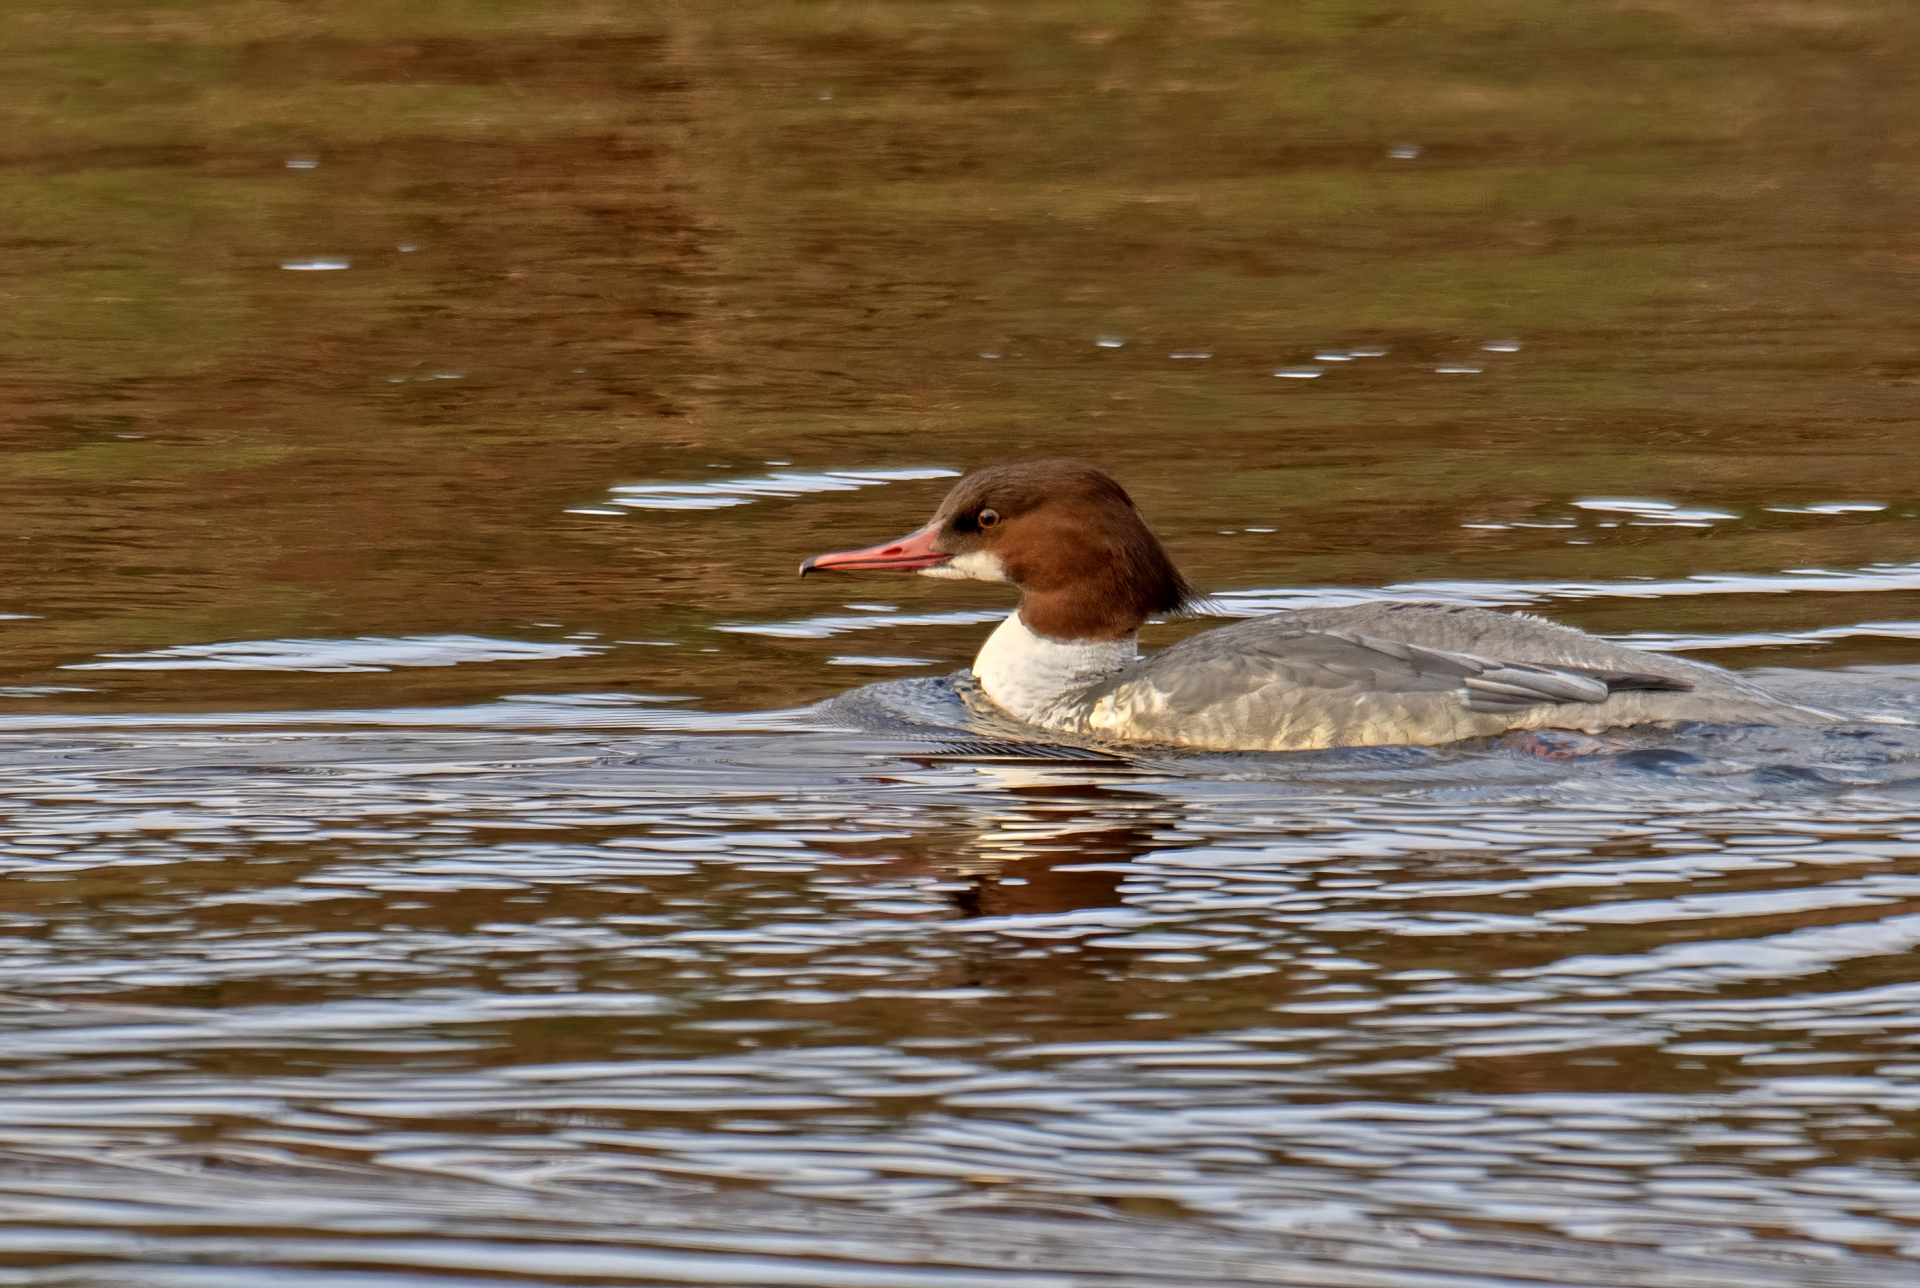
[(1039, 680)]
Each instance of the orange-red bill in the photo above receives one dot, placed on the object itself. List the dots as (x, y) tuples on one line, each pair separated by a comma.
[(908, 554)]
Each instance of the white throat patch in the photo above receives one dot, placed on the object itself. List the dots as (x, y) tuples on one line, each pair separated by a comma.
[(975, 565), (1038, 679)]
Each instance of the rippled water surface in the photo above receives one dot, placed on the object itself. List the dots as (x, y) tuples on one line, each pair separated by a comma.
[(445, 846)]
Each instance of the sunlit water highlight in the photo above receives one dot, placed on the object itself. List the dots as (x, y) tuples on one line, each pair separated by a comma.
[(365, 654), (1484, 594), (723, 493)]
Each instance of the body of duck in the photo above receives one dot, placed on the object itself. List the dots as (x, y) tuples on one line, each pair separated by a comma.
[(1090, 573)]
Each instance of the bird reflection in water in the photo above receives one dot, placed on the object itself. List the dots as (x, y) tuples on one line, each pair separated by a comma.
[(1037, 863), (1051, 843)]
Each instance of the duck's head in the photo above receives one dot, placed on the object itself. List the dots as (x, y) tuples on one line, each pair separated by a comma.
[(1066, 534)]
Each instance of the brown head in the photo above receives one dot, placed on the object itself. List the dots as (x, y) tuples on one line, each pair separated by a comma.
[(1065, 533)]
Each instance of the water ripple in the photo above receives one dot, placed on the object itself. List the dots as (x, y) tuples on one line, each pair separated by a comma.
[(366, 653), (1592, 999), (720, 494)]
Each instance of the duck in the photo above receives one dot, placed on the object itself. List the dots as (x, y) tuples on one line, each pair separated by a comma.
[(1090, 573)]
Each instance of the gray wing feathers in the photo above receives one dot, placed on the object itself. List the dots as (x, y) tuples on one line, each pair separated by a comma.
[(1508, 688), (1490, 686), (1341, 677), (1635, 681)]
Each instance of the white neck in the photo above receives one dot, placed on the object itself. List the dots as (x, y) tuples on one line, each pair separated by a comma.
[(1034, 678)]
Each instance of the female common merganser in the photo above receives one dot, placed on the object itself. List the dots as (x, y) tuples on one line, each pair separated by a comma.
[(1090, 572)]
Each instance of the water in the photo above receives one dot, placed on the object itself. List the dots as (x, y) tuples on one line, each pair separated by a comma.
[(442, 845)]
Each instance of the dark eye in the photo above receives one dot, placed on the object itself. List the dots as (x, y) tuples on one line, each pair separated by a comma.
[(987, 518)]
